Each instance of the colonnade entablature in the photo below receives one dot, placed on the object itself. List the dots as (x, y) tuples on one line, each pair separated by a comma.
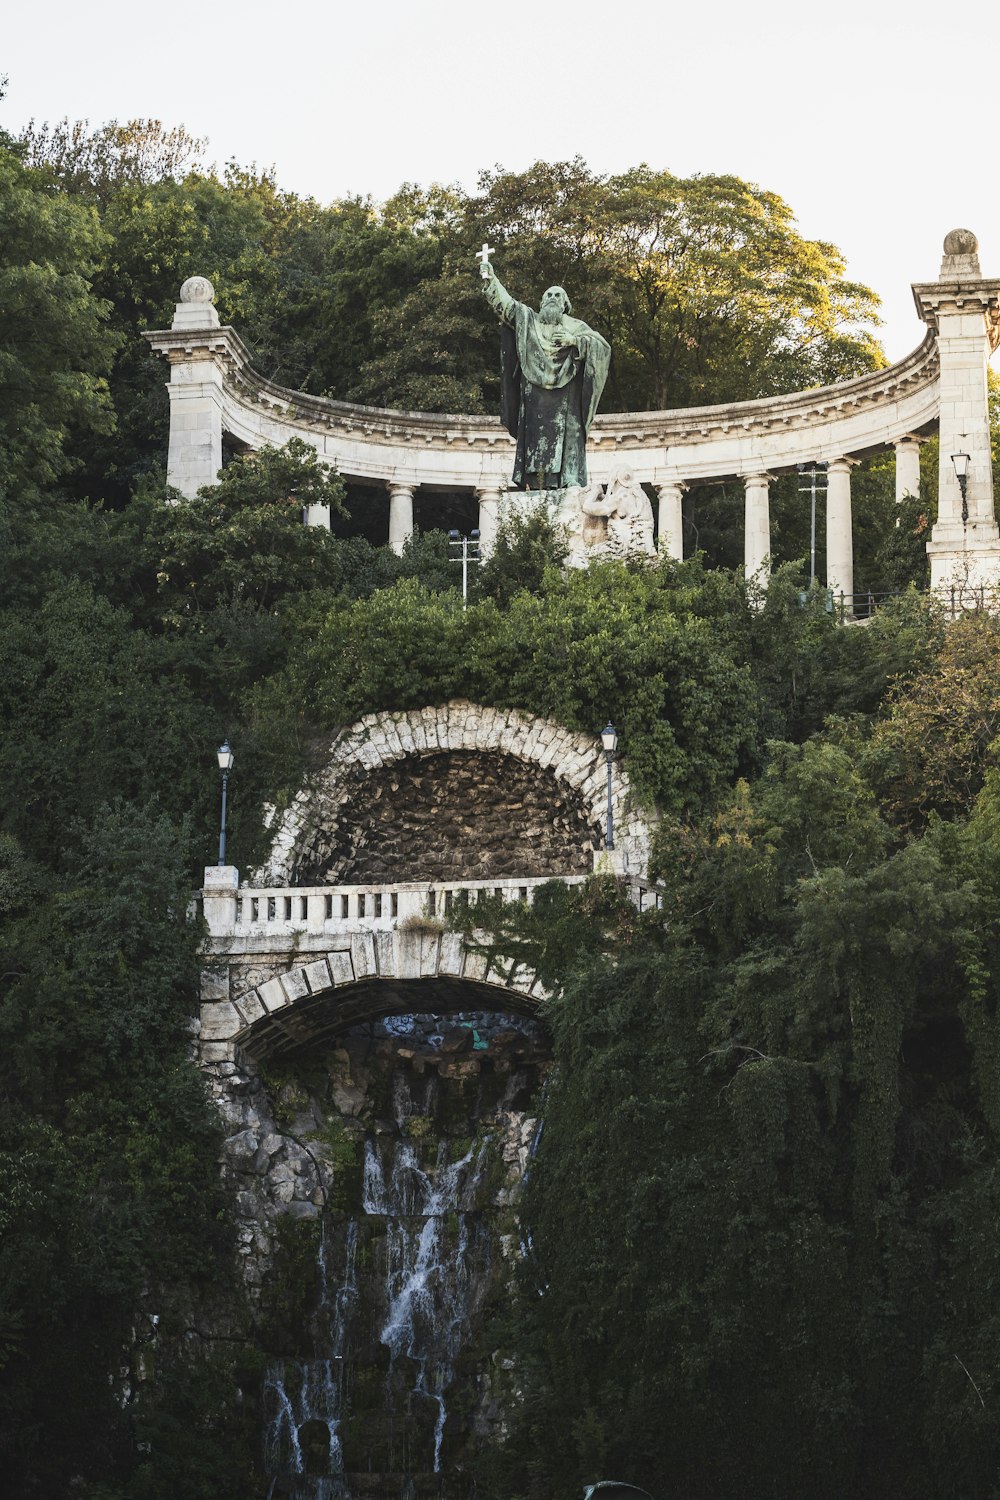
[(941, 386)]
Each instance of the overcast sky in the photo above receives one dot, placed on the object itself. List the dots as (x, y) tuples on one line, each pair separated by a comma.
[(873, 118)]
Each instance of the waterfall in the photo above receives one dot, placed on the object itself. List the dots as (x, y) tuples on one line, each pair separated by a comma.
[(390, 1391), (432, 1271), (429, 1279), (308, 1394)]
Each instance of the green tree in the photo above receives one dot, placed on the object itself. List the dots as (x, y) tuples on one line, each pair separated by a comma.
[(109, 1192), (244, 541), (56, 346)]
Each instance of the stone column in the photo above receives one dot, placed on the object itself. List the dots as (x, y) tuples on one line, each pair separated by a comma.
[(194, 449), (963, 309), (318, 515), (489, 518), (907, 467), (757, 532), (840, 534), (400, 514), (670, 519)]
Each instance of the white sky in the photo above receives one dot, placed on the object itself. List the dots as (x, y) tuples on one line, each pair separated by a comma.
[(872, 119)]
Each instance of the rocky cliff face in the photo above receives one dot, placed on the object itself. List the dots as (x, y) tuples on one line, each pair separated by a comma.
[(376, 1186)]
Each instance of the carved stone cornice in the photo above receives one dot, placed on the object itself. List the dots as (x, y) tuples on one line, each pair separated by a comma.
[(762, 418), (977, 294)]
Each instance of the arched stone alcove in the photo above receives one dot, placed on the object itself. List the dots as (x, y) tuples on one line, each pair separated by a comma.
[(455, 791)]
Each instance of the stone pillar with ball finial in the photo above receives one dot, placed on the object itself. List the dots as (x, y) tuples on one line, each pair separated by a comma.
[(963, 309), (194, 451)]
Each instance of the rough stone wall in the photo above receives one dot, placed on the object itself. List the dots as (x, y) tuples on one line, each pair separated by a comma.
[(454, 815)]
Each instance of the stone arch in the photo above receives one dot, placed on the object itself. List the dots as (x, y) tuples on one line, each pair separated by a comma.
[(367, 758), (380, 973)]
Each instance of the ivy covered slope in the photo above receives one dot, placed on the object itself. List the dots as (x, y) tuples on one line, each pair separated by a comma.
[(761, 1225)]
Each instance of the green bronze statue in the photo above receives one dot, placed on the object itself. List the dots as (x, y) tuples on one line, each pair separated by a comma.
[(552, 368)]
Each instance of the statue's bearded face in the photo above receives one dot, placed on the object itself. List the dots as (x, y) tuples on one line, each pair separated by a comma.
[(553, 304)]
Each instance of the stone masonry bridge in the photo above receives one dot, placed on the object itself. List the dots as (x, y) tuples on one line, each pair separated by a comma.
[(412, 815), (286, 967)]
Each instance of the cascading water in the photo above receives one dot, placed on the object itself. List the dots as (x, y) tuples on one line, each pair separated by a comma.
[(430, 1281), (396, 1394), (306, 1396)]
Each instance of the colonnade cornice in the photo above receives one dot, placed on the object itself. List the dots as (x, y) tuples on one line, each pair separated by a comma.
[(765, 418)]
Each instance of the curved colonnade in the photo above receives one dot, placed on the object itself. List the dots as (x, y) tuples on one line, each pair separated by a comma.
[(215, 391)]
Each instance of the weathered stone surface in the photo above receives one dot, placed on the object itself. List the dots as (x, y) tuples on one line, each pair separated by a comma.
[(318, 975), (244, 1143), (451, 815), (250, 1007), (272, 994), (341, 968), (214, 984), (456, 1039), (300, 1210), (475, 966), (363, 955), (219, 1021), (452, 953), (385, 951), (294, 984), (216, 1052)]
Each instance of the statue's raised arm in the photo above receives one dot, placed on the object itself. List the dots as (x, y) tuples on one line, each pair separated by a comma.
[(552, 368), (497, 294)]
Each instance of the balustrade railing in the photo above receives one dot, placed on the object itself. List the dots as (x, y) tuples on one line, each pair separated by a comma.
[(954, 599), (274, 911)]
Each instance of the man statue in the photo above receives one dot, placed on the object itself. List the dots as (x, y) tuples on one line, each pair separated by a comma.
[(552, 370)]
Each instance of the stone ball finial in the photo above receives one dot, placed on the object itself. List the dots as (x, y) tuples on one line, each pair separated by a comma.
[(961, 242), (197, 289)]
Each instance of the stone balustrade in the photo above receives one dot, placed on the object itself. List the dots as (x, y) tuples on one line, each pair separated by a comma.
[(263, 912)]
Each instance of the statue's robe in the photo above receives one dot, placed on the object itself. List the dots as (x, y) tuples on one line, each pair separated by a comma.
[(552, 378)]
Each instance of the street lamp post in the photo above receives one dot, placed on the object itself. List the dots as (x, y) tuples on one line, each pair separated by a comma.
[(609, 739), (226, 758), (464, 549), (962, 462), (815, 473)]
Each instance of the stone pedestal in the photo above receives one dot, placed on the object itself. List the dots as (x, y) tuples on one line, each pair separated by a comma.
[(194, 451), (219, 898), (963, 308), (840, 534), (670, 519), (400, 515), (757, 533)]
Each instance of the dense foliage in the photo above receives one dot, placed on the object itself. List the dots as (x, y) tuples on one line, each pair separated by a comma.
[(761, 1257), (761, 1227)]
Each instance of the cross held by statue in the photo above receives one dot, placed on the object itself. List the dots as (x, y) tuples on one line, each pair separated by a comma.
[(484, 259)]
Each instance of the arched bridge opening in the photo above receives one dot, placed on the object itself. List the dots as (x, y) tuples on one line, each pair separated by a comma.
[(430, 1007)]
